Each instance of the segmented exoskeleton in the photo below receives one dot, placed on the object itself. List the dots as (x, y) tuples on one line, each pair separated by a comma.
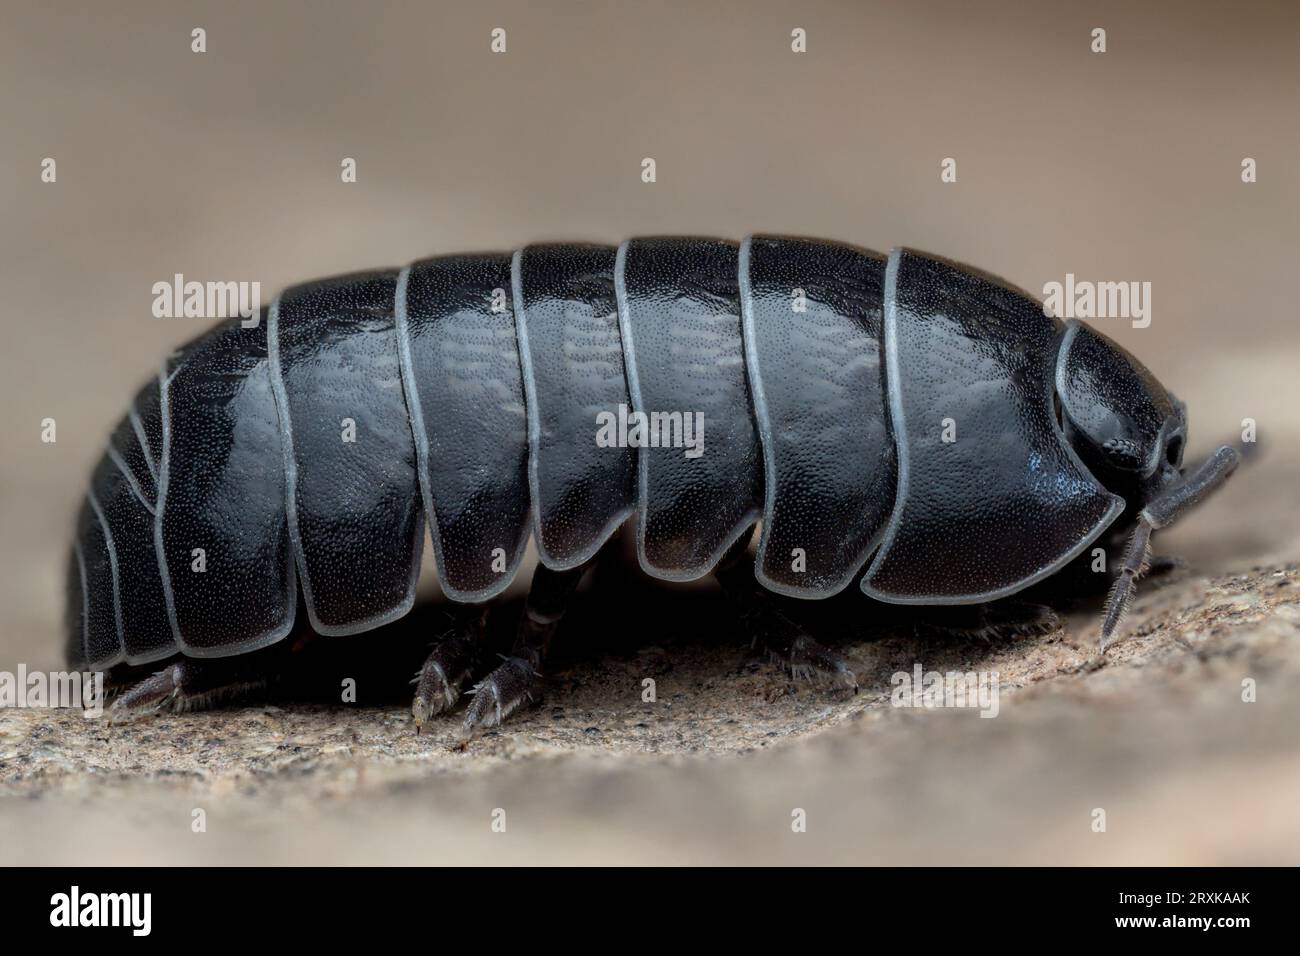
[(904, 415)]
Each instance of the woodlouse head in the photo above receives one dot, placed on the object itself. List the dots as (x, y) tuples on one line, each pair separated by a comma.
[(1128, 429)]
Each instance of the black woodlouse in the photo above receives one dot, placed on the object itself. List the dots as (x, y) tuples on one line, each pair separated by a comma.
[(819, 378)]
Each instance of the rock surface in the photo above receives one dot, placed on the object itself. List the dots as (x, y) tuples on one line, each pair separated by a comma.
[(1156, 734)]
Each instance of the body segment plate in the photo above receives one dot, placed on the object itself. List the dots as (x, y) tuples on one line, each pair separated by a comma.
[(220, 528), (142, 602), (101, 636), (991, 497), (566, 312), (813, 333), (701, 488), (460, 366), (353, 494)]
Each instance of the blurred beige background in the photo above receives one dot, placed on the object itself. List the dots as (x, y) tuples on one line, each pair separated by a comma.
[(225, 165)]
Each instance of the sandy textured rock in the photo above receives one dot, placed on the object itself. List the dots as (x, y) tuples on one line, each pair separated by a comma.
[(1156, 733)]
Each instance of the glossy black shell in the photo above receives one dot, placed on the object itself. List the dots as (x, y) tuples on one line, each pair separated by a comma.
[(828, 382)]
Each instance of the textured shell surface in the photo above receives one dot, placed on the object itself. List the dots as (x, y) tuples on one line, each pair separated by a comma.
[(694, 386)]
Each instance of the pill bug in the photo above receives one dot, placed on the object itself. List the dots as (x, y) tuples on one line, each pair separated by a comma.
[(902, 415)]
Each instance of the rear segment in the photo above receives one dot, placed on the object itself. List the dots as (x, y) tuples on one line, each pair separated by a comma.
[(128, 518), (95, 574), (182, 541), (117, 607)]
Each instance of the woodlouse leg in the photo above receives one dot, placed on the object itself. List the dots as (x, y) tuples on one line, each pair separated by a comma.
[(447, 667), (788, 644), (1161, 512), (998, 620), (515, 680), (187, 684), (764, 623)]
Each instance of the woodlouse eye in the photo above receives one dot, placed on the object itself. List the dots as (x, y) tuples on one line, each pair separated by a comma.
[(1123, 453)]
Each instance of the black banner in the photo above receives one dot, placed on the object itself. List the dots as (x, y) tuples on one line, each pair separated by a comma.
[(217, 905)]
